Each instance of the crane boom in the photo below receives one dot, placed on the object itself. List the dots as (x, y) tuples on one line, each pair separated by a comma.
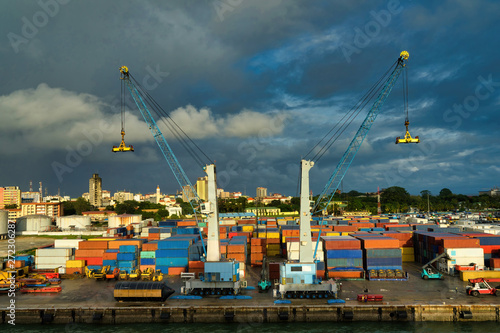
[(333, 183), (167, 152)]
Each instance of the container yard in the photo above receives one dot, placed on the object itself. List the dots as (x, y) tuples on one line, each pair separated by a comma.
[(365, 261)]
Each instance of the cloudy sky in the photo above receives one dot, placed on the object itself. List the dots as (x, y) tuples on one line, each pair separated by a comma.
[(255, 84)]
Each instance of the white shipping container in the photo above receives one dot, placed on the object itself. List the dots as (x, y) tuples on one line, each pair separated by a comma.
[(294, 246), (54, 252), (47, 266), (474, 252), (61, 261), (294, 255), (67, 243)]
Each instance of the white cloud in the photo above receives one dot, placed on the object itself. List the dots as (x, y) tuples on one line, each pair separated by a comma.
[(53, 118)]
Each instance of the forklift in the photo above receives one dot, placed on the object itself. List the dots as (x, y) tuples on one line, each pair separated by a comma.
[(430, 272)]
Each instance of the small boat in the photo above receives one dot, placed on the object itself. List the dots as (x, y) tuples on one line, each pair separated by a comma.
[(56, 289), (37, 285), (55, 281)]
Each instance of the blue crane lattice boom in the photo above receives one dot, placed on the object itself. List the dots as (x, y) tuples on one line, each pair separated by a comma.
[(331, 187)]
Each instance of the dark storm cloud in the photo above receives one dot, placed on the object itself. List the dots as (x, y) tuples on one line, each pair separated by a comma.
[(307, 62)]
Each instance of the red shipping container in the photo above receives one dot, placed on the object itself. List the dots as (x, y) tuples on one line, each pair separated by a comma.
[(258, 241), (91, 261), (335, 274), (491, 249), (345, 228), (273, 241), (495, 262)]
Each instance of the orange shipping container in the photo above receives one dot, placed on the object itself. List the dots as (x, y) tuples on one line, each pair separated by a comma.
[(93, 245), (115, 245), (258, 241), (345, 274), (236, 248), (176, 270), (257, 256), (74, 270), (150, 246), (89, 253), (108, 256), (460, 242), (237, 256), (196, 265), (144, 267)]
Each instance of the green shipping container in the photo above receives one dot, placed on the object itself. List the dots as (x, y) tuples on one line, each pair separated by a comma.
[(148, 254)]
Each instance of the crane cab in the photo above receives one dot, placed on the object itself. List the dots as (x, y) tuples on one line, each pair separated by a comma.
[(122, 147)]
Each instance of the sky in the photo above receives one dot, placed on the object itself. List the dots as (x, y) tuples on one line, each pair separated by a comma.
[(255, 84)]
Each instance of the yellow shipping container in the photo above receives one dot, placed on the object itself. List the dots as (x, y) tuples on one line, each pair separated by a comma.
[(273, 235), (333, 234), (466, 275), (75, 263), (247, 228), (408, 257), (407, 250)]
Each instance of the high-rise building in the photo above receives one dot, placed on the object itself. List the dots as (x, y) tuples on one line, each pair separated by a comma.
[(261, 192), (187, 193), (202, 188), (10, 195), (95, 190)]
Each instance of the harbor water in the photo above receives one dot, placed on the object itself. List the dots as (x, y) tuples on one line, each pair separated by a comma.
[(338, 327)]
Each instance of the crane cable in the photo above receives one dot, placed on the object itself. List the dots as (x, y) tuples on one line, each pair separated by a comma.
[(173, 127), (122, 105), (405, 94), (349, 117)]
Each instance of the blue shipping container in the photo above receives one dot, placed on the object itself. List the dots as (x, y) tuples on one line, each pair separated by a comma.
[(174, 262), (128, 249), (148, 261), (126, 256)]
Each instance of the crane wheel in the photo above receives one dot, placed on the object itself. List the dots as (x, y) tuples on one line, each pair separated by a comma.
[(426, 277), (475, 293)]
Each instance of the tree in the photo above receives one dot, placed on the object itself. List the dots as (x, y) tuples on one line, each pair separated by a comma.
[(12, 206), (395, 195), (82, 205), (127, 207), (445, 193)]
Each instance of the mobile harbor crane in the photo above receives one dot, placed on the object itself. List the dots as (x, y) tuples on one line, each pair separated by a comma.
[(220, 277), (298, 279)]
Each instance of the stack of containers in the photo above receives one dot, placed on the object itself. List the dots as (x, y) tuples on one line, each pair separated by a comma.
[(172, 256), (405, 243), (428, 245), (51, 258), (495, 264), (92, 252), (237, 249), (196, 267), (344, 258), (75, 267), (272, 241), (126, 258), (147, 259), (490, 244), (67, 243), (288, 233), (223, 247), (381, 252), (109, 258), (257, 251)]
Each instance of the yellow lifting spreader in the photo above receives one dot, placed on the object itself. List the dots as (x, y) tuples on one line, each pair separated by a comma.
[(123, 147), (407, 138)]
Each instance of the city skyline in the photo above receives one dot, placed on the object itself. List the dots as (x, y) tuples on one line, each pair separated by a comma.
[(256, 85)]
